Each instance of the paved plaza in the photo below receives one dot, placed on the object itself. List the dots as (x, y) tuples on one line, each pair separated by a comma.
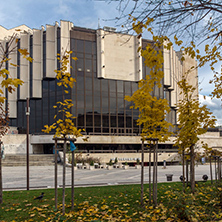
[(43, 176)]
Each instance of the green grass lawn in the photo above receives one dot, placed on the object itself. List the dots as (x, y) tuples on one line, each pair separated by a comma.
[(116, 203)]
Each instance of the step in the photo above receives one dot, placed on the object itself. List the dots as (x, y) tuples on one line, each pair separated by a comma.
[(34, 160)]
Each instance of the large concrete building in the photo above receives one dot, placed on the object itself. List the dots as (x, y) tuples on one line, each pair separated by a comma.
[(108, 68)]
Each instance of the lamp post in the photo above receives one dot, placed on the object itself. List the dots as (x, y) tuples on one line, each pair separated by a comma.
[(27, 141)]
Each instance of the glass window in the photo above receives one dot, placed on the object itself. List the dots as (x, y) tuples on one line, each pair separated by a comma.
[(129, 121), (88, 65), (105, 105), (120, 121), (88, 56), (80, 120), (94, 49), (80, 66), (88, 47), (89, 120), (105, 85), (73, 42), (97, 120), (97, 103), (112, 84), (120, 104), (88, 84), (119, 86), (134, 87), (80, 100), (127, 105), (89, 103), (112, 103), (80, 45), (105, 121), (38, 108), (80, 83), (96, 85), (127, 88), (94, 65), (113, 121)]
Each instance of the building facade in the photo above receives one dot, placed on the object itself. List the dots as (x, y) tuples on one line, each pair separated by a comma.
[(108, 68)]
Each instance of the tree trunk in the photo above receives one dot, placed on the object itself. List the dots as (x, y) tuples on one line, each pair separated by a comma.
[(142, 174), (192, 169), (73, 160), (56, 178), (183, 169), (187, 172), (155, 181), (154, 172), (0, 174), (215, 169), (150, 175), (64, 177), (211, 174)]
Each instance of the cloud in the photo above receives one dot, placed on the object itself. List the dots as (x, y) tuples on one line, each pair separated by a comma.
[(214, 105)]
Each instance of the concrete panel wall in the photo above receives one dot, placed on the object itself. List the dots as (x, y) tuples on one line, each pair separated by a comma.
[(37, 65), (51, 63), (118, 56), (12, 97), (15, 144), (66, 26), (24, 67), (166, 67)]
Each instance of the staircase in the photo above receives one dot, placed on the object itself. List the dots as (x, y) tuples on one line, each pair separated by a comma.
[(34, 160)]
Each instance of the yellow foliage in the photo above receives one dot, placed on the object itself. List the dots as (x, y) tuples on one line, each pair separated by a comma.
[(64, 126)]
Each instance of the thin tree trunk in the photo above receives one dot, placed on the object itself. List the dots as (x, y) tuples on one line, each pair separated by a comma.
[(142, 174), (64, 177), (192, 169), (211, 174), (73, 160), (1, 198), (56, 178), (219, 169), (187, 172), (156, 163), (183, 168), (150, 175), (153, 170), (215, 169)]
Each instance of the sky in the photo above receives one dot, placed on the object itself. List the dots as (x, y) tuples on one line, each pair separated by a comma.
[(89, 14)]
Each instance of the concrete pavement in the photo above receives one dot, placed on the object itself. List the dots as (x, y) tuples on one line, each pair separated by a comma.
[(43, 176)]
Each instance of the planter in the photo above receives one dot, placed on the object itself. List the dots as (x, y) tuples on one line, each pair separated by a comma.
[(125, 167), (109, 167), (137, 166), (91, 167), (169, 177)]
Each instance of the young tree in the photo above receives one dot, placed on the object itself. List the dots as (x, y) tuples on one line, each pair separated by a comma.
[(3, 130), (7, 83), (153, 110), (64, 125), (193, 121)]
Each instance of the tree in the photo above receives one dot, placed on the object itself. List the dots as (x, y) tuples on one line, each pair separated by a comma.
[(7, 83), (152, 110), (3, 130), (64, 126), (193, 121), (197, 19)]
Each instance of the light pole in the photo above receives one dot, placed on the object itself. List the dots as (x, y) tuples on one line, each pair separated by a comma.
[(27, 141)]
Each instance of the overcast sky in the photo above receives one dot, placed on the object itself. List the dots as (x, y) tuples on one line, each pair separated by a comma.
[(84, 13)]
